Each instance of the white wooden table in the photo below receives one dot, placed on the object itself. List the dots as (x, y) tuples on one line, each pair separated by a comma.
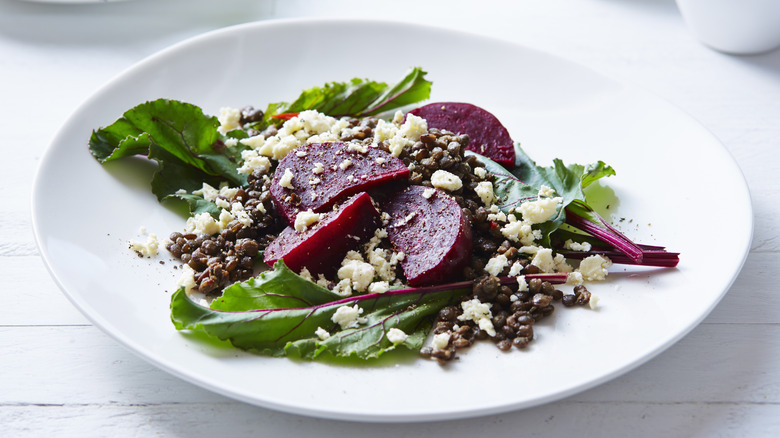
[(60, 376)]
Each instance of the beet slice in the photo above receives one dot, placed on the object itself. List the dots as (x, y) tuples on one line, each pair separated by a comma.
[(487, 136), (429, 227), (367, 167), (322, 247)]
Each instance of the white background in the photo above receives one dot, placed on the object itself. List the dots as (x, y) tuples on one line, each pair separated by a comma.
[(61, 376)]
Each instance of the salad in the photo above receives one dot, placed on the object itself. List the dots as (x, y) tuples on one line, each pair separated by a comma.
[(354, 221)]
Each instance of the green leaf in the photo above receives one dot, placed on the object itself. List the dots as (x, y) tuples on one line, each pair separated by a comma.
[(290, 331), (356, 97), (179, 137), (277, 289), (523, 183)]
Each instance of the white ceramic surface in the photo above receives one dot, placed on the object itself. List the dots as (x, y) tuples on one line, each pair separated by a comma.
[(734, 26), (556, 108)]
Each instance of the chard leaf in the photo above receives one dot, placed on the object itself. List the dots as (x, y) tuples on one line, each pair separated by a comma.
[(277, 289), (184, 142), (290, 331), (356, 98), (523, 183)]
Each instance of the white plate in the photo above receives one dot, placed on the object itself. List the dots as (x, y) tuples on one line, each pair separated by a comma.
[(671, 175)]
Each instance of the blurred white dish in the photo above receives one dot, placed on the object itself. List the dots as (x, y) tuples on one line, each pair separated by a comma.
[(84, 214), (739, 27)]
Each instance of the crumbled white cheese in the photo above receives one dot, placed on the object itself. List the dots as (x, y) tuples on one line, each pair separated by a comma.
[(222, 203), (357, 147), (480, 172), (318, 168), (515, 269), (255, 142), (497, 217), (322, 334), (147, 248), (478, 312), (543, 259), (522, 232), (360, 273), (187, 279), (574, 278), (306, 274), (413, 128), (396, 336), (344, 165), (539, 211), (315, 181), (593, 303), (347, 317), (522, 285), (378, 287), (428, 193), (496, 264), (560, 264), (441, 179), (441, 340), (380, 161), (286, 179), (304, 220), (595, 267), (202, 223), (241, 215), (343, 287), (207, 192), (484, 190), (301, 154), (229, 119), (577, 246), (398, 117), (546, 192)]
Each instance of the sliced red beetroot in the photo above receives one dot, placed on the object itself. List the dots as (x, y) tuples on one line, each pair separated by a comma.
[(323, 174), (429, 227), (487, 136), (323, 245)]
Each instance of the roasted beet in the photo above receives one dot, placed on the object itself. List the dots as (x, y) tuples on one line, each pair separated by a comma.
[(322, 246), (430, 228), (322, 174), (487, 136)]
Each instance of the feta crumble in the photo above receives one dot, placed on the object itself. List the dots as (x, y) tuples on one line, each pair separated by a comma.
[(396, 336), (305, 219), (539, 211), (478, 312), (229, 119), (485, 192), (577, 246), (496, 264), (322, 334), (428, 193), (441, 179), (480, 172), (441, 340), (147, 248), (344, 165), (358, 272), (318, 168), (347, 317), (286, 179), (594, 267)]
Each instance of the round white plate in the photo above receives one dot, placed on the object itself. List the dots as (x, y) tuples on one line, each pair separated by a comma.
[(671, 173)]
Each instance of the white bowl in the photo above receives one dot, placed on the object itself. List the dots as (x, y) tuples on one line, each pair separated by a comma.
[(739, 27)]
